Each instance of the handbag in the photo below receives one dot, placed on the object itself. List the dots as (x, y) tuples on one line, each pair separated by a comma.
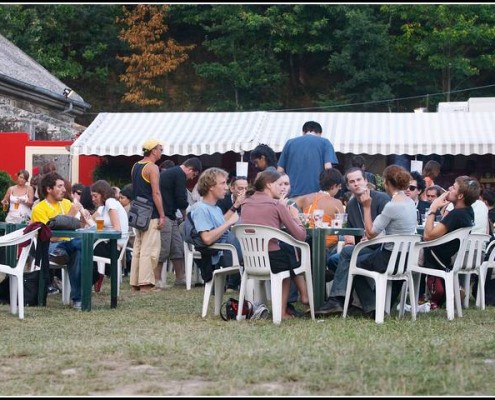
[(229, 309), (64, 223), (140, 213)]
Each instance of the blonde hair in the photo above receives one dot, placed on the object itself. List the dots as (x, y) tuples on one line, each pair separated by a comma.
[(208, 179)]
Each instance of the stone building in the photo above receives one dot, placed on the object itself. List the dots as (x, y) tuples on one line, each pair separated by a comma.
[(34, 101)]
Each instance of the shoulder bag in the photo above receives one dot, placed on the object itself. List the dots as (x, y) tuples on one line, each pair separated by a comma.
[(140, 213), (64, 223)]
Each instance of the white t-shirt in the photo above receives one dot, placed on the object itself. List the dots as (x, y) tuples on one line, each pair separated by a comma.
[(114, 204), (480, 217)]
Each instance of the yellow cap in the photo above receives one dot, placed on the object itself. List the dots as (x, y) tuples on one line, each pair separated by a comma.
[(150, 144)]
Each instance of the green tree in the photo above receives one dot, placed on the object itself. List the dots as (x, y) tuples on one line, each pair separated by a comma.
[(5, 182), (241, 71), (452, 45), (76, 43), (360, 64), (153, 56)]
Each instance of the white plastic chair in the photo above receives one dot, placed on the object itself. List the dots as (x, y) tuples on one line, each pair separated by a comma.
[(397, 270), (64, 273), (452, 288), (473, 259), (190, 254), (254, 245), (218, 279), (16, 281), (102, 261), (489, 263)]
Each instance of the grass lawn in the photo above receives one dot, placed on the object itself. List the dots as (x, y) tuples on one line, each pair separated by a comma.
[(157, 344)]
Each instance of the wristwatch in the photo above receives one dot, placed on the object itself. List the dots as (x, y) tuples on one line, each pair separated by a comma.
[(234, 209), (432, 212)]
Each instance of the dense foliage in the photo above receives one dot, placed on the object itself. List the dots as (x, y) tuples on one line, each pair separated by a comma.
[(243, 57)]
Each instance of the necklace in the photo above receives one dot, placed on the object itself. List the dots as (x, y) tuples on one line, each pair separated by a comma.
[(396, 193), (324, 192), (59, 205)]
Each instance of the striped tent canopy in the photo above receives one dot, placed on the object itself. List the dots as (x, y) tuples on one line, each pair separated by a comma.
[(197, 133), (390, 133), (181, 133)]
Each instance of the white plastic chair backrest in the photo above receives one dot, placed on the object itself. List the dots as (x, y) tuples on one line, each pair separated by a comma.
[(403, 246), (491, 254), (459, 234), (120, 249), (13, 237), (19, 237), (227, 247), (254, 241), (474, 252)]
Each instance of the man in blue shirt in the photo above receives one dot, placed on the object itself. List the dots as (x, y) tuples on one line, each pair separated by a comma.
[(304, 158)]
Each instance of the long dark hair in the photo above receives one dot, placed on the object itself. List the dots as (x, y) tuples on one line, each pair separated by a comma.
[(102, 187), (264, 178)]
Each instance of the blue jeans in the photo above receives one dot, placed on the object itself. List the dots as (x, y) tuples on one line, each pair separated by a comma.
[(233, 281), (339, 285), (73, 249)]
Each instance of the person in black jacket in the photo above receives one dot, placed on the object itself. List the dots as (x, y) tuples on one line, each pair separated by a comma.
[(234, 199), (174, 197)]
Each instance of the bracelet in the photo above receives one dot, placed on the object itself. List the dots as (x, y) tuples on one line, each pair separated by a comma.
[(233, 209)]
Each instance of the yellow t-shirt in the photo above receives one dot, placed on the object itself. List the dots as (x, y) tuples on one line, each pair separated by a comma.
[(44, 210)]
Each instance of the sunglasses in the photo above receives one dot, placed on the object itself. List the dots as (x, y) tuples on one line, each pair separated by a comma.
[(412, 187)]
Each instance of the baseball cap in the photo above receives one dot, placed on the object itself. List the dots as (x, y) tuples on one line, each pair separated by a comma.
[(150, 144)]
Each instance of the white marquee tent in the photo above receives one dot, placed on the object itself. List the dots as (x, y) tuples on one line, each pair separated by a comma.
[(197, 133)]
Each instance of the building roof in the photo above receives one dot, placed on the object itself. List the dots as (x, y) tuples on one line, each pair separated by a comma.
[(19, 70)]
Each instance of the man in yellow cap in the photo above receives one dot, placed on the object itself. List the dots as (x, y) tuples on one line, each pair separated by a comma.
[(145, 177)]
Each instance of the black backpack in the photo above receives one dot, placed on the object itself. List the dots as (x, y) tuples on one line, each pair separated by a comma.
[(31, 284)]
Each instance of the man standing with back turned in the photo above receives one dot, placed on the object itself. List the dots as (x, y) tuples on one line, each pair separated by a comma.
[(305, 157), (174, 196), (145, 177)]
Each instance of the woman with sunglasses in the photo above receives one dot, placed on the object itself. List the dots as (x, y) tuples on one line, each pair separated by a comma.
[(416, 187)]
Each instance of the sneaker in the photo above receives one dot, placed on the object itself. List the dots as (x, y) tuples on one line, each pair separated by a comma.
[(331, 306), (260, 312), (291, 310), (76, 305), (52, 290), (57, 283), (160, 284), (180, 282), (353, 311), (59, 256)]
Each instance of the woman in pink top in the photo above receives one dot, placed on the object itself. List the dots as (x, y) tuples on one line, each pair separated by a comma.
[(264, 207)]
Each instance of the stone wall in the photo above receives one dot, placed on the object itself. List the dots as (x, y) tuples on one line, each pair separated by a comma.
[(39, 121)]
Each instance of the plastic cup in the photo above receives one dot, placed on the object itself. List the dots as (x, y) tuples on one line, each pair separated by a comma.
[(16, 205), (6, 207), (99, 224), (318, 217), (342, 218), (304, 219)]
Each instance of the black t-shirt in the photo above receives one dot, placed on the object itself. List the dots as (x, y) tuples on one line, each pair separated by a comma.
[(174, 191), (455, 219), (491, 215)]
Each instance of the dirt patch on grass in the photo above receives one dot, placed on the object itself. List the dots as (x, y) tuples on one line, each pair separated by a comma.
[(154, 382)]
